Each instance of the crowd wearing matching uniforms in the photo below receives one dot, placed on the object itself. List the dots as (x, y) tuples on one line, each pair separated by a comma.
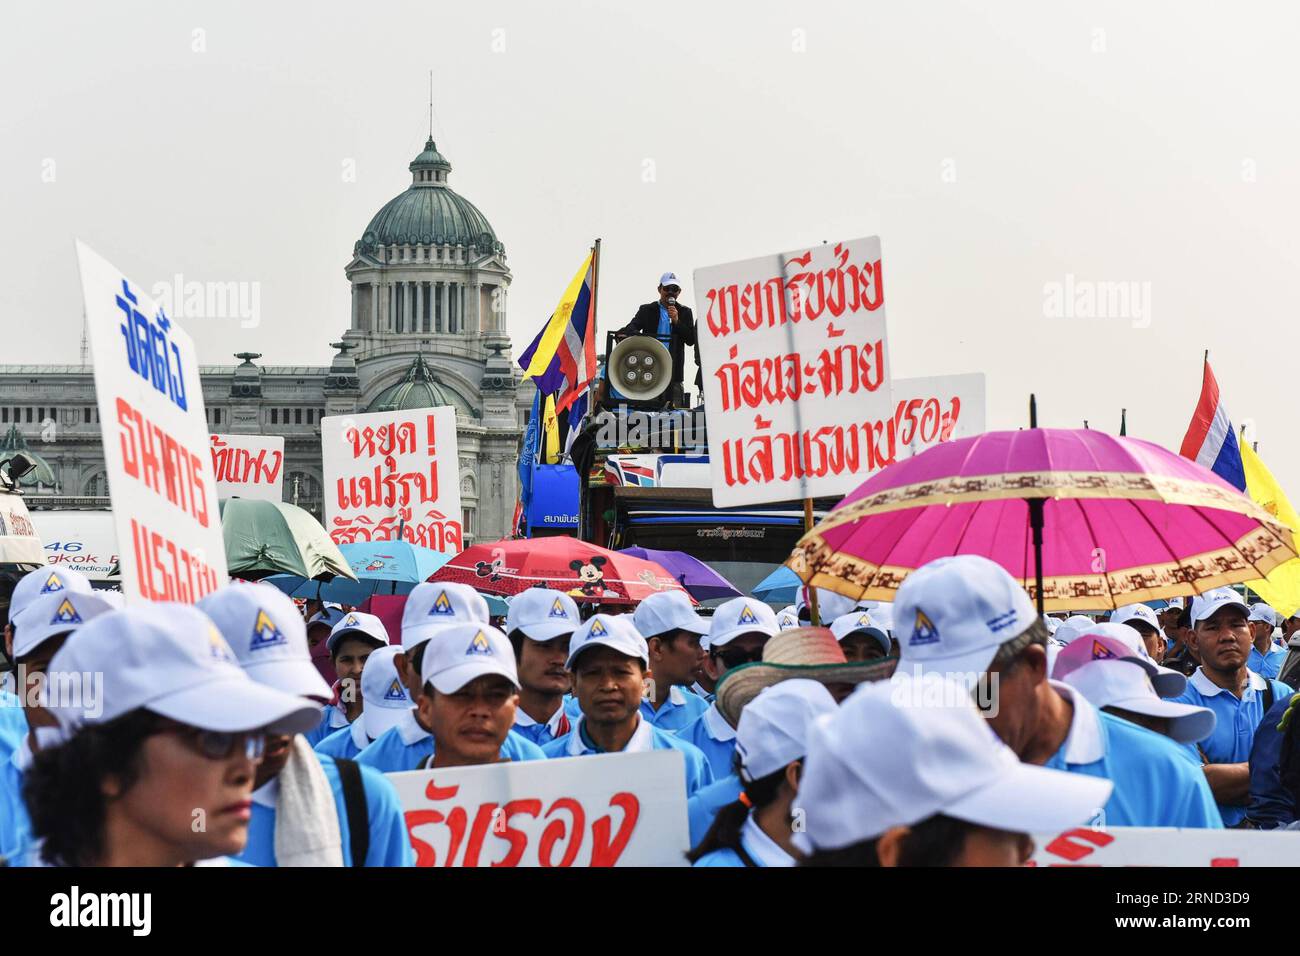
[(997, 720)]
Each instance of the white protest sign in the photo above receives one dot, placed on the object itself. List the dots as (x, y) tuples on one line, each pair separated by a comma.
[(84, 540), (600, 810), (391, 470), (936, 409), (155, 440), (248, 466), (796, 372), (1153, 846)]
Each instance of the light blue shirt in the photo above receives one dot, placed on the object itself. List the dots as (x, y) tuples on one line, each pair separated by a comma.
[(1236, 723), (646, 737), (1267, 665), (408, 745), (761, 848), (15, 822), (1156, 782), (542, 734), (13, 722), (681, 708), (331, 720), (390, 845), (665, 323), (704, 806), (341, 743), (714, 737)]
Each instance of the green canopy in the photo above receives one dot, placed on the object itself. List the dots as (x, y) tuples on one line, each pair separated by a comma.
[(274, 537)]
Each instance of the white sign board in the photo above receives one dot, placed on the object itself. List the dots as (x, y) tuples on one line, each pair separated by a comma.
[(83, 540), (796, 372), (603, 810), (936, 409), (249, 466), (391, 470), (1144, 846), (155, 440), (19, 541)]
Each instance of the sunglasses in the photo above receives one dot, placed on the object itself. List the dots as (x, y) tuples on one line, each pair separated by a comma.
[(734, 657), (217, 744)]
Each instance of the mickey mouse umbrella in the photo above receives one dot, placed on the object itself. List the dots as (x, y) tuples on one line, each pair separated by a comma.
[(584, 571)]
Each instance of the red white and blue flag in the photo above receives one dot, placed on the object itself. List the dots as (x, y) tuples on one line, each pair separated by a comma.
[(1211, 439)]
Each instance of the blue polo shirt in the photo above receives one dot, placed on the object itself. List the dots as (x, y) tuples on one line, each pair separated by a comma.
[(714, 737), (15, 822), (1156, 782), (761, 849), (665, 323), (332, 719), (406, 746), (1271, 804), (1236, 722), (704, 806), (389, 843), (341, 743), (680, 709), (542, 734), (13, 722), (646, 737), (1267, 665)]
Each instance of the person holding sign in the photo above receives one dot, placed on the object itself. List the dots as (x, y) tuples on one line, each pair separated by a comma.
[(608, 660), (672, 631), (539, 625), (671, 323)]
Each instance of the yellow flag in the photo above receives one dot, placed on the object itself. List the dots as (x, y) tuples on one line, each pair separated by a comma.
[(552, 425), (1281, 589)]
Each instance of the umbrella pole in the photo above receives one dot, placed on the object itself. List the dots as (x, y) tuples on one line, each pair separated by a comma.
[(815, 618), (1036, 520)]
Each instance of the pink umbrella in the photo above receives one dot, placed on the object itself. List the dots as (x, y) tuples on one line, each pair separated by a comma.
[(1122, 520)]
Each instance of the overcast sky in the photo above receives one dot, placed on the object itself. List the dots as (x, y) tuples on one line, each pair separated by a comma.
[(997, 149)]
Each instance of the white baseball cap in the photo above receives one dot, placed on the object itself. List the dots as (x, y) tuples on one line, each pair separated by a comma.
[(358, 624), (384, 698), (860, 622), (45, 581), (1123, 684), (882, 613), (1135, 612), (666, 611), (264, 629), (941, 759), (739, 616), (1117, 642), (773, 728), (787, 618), (670, 278), (50, 615), (1263, 612), (953, 614), (1205, 605), (1051, 622), (830, 604), (1072, 627), (543, 614), (464, 652), (327, 616), (433, 605), (609, 630), (170, 659), (1176, 602)]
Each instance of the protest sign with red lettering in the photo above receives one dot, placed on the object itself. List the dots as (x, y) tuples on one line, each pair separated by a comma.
[(249, 466), (386, 471), (796, 372), (603, 810), (1151, 846), (155, 440), (936, 409)]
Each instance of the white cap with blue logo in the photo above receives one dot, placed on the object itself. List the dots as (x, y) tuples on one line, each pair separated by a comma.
[(464, 652), (739, 616), (953, 614), (860, 622), (46, 581), (1135, 612), (385, 701), (50, 615), (665, 612), (432, 605), (615, 631), (264, 629), (360, 625), (543, 614), (1211, 602)]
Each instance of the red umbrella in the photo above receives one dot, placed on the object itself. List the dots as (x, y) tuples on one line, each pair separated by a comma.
[(585, 571)]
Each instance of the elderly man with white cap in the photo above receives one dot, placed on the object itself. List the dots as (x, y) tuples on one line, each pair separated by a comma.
[(305, 803), (608, 659), (943, 792), (384, 703), (539, 624), (672, 632), (771, 742), (1238, 696), (967, 618)]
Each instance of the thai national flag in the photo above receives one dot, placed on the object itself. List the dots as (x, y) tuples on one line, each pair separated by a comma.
[(1211, 440)]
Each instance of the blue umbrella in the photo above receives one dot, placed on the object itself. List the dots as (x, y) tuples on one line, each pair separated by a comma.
[(381, 567), (779, 587)]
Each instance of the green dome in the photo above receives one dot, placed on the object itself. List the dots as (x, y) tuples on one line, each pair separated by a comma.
[(11, 445), (419, 389), (429, 212)]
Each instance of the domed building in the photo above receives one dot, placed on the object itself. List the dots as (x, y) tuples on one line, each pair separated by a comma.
[(427, 327)]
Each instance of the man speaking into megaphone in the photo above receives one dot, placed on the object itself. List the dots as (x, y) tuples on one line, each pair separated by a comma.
[(672, 323)]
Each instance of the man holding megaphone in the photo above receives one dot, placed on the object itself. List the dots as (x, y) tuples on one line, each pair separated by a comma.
[(672, 323)]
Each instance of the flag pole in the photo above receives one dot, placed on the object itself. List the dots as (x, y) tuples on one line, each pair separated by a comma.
[(1036, 520)]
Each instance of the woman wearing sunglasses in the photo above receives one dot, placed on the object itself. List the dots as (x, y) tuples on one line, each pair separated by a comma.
[(161, 734)]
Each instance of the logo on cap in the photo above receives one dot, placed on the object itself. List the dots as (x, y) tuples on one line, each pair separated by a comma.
[(52, 583), (864, 620), (557, 610), (442, 606), (265, 633), (923, 631), (479, 645), (394, 691), (1101, 652), (351, 621), (598, 629), (66, 614), (218, 649), (746, 616)]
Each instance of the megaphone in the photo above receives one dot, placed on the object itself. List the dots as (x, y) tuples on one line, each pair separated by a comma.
[(639, 371)]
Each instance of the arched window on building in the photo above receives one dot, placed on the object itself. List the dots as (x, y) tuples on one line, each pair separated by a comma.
[(97, 485)]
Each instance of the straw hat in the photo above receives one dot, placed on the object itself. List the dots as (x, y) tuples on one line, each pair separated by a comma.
[(808, 652)]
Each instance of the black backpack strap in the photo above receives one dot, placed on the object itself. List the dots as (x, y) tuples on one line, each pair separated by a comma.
[(354, 801), (1269, 696)]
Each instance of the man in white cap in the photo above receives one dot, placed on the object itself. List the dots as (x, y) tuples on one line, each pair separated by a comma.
[(430, 607), (1238, 696), (1180, 650), (34, 637), (861, 639), (1143, 620), (672, 632), (967, 618), (608, 659), (351, 642), (771, 742), (304, 803), (320, 624), (539, 624), (672, 323), (787, 617), (738, 631), (1265, 657), (943, 792), (384, 704)]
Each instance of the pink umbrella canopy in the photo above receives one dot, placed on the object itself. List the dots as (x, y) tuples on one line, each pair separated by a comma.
[(1124, 520)]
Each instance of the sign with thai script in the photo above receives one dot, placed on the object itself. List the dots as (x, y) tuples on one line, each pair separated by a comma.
[(249, 466), (393, 475), (935, 409), (155, 440), (796, 373), (1143, 846)]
